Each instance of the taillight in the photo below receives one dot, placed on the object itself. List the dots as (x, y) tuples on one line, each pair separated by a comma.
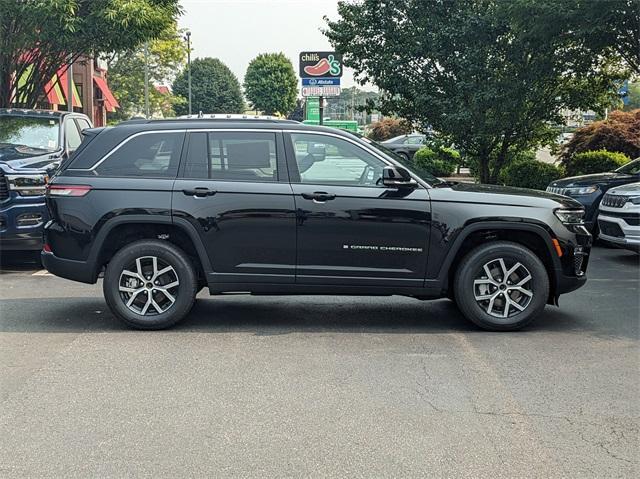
[(46, 248), (68, 190)]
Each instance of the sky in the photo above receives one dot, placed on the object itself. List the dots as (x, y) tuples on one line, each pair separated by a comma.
[(236, 31)]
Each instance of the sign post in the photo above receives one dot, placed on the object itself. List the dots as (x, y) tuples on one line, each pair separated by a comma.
[(320, 73)]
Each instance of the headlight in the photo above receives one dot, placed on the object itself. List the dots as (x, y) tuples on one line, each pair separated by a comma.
[(28, 185), (635, 200), (570, 217), (580, 190)]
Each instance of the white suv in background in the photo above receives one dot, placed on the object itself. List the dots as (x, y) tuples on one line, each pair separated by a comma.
[(619, 217)]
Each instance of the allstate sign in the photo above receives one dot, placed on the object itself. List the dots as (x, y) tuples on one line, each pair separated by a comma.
[(320, 81)]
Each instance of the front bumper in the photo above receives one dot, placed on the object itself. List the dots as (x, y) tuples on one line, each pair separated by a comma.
[(617, 231), (13, 235)]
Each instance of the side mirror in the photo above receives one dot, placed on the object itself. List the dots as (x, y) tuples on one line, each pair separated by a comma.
[(397, 177)]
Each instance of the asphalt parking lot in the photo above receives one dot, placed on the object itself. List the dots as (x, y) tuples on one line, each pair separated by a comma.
[(318, 386)]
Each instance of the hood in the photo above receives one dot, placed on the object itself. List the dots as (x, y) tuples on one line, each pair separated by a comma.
[(24, 158), (630, 189), (593, 179), (513, 195)]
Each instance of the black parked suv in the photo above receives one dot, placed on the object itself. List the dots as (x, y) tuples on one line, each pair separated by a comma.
[(168, 207)]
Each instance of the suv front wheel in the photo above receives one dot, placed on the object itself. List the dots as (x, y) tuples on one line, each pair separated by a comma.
[(501, 286), (150, 284)]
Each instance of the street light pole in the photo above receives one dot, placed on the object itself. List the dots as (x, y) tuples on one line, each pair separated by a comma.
[(146, 80), (188, 38), (70, 84)]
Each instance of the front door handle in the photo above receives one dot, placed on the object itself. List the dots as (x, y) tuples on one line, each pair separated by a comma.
[(318, 196), (199, 191)]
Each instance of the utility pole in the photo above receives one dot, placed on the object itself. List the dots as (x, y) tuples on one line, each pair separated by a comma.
[(188, 38), (321, 109), (70, 84), (146, 80)]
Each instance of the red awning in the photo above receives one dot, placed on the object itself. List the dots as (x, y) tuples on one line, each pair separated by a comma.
[(63, 81), (110, 102)]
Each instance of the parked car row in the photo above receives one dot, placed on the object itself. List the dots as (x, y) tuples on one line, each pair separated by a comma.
[(610, 201), (33, 143)]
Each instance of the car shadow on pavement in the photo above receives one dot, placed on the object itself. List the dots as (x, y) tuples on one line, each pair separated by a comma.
[(275, 315), (18, 261)]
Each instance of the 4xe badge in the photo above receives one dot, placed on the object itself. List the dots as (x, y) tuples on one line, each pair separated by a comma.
[(320, 65)]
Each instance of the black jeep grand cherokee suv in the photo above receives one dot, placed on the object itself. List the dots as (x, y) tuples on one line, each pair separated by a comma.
[(263, 206)]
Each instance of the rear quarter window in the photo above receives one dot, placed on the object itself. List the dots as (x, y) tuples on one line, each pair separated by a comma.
[(154, 155)]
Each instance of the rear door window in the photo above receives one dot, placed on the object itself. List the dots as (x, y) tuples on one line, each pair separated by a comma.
[(232, 156), (154, 155)]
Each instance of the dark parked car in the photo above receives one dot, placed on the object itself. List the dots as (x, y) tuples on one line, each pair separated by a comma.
[(32, 145), (589, 189), (405, 145), (168, 207)]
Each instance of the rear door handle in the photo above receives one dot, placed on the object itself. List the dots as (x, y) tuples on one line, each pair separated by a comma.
[(318, 196), (200, 192)]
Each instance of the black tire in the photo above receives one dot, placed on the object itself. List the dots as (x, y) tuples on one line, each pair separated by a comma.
[(472, 268), (183, 294), (405, 156)]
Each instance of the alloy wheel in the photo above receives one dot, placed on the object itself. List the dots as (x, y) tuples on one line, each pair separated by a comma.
[(503, 288), (148, 286)]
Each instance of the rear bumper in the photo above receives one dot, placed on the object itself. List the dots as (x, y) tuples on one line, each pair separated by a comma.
[(15, 237), (67, 268)]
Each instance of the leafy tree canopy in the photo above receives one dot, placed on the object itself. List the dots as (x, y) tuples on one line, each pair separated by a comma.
[(388, 128), (618, 133), (39, 37), (271, 84), (165, 55), (215, 89), (485, 73)]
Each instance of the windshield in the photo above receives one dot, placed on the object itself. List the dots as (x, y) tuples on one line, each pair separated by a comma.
[(421, 173), (30, 132), (631, 168)]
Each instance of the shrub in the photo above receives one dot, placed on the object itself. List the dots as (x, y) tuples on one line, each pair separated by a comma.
[(620, 132), (594, 162), (388, 128), (532, 174), (438, 162)]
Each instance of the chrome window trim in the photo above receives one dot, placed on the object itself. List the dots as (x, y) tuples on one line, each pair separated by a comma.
[(121, 144), (181, 130), (361, 145)]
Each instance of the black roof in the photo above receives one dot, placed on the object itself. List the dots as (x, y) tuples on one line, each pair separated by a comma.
[(30, 112)]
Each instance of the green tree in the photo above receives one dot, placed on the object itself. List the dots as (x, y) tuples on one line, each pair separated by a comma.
[(633, 96), (39, 37), (215, 89), (165, 55), (484, 73), (271, 84)]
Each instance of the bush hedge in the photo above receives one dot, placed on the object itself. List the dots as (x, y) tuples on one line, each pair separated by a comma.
[(532, 174), (598, 161), (439, 161)]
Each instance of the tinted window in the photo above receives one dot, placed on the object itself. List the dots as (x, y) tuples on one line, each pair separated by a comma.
[(154, 155), (631, 168), (72, 135), (235, 156), (329, 160)]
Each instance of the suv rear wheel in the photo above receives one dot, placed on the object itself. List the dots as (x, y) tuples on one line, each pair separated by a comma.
[(501, 286), (150, 284)]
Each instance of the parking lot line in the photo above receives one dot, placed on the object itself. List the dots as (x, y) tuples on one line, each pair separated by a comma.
[(42, 272)]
